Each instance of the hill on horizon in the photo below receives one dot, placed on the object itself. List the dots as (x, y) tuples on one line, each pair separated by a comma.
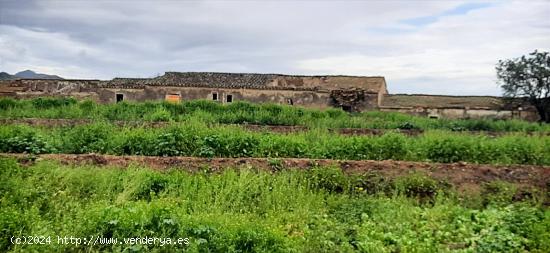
[(27, 74)]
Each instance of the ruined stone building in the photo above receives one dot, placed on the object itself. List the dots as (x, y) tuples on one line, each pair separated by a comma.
[(351, 93)]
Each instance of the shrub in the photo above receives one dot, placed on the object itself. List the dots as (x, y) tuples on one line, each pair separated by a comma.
[(87, 106), (7, 103), (448, 150), (391, 146), (330, 179), (143, 185), (136, 143), (498, 193), (176, 142), (160, 114), (45, 103), (28, 143), (88, 138), (418, 186)]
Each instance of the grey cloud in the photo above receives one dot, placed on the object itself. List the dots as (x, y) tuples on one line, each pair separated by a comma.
[(103, 39)]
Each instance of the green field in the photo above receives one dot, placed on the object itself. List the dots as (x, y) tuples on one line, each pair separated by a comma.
[(320, 210), (241, 112), (198, 139), (246, 209)]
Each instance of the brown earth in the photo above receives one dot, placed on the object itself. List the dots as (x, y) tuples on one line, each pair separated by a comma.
[(464, 176)]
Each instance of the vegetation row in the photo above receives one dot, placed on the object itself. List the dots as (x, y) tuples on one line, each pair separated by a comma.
[(196, 139), (320, 210), (243, 113)]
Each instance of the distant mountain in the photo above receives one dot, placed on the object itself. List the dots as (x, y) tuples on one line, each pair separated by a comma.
[(6, 76), (27, 74)]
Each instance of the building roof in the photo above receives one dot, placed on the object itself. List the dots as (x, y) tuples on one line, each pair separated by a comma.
[(254, 81), (442, 101), (322, 83)]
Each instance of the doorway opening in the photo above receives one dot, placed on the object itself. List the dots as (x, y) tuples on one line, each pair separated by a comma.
[(119, 97)]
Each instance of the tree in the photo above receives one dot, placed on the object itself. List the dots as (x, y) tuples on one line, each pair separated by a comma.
[(528, 77)]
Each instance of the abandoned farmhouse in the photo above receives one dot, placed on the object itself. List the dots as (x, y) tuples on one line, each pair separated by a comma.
[(351, 93)]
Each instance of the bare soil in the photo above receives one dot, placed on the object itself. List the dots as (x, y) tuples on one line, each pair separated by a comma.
[(463, 176)]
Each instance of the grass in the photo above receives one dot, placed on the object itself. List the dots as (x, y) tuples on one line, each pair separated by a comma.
[(245, 210), (321, 210), (197, 139), (246, 113)]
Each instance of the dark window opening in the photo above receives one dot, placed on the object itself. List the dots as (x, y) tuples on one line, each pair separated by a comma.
[(289, 101), (119, 97), (229, 98), (215, 96), (346, 108)]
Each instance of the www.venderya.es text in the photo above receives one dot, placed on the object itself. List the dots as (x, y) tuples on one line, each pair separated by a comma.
[(97, 240)]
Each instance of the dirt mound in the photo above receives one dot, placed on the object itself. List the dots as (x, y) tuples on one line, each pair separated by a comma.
[(462, 175)]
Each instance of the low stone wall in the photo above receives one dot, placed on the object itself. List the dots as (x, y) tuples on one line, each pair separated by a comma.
[(466, 113)]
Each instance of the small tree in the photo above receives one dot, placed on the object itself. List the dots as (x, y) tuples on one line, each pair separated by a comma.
[(528, 77)]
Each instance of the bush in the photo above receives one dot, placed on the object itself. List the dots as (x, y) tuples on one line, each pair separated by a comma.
[(160, 114), (448, 150), (330, 179), (45, 103), (7, 103), (87, 106), (498, 193), (28, 143), (176, 142), (417, 186), (143, 185), (94, 138)]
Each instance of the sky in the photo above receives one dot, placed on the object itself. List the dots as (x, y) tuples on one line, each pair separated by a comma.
[(423, 47)]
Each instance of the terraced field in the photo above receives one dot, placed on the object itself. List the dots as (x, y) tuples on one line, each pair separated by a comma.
[(269, 178)]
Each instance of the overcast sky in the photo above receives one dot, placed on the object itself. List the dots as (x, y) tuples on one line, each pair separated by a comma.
[(434, 47)]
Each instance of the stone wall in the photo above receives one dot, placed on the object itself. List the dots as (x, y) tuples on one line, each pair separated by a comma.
[(459, 107), (299, 98), (309, 91), (466, 113), (346, 92)]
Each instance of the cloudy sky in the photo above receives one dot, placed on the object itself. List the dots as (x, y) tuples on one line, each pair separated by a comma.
[(434, 47)]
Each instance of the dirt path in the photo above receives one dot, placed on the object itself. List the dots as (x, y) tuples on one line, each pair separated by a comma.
[(461, 175)]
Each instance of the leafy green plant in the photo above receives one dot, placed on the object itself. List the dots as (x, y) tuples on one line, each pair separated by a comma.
[(44, 103), (160, 114), (498, 192), (418, 186), (7, 103), (30, 144), (330, 179)]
